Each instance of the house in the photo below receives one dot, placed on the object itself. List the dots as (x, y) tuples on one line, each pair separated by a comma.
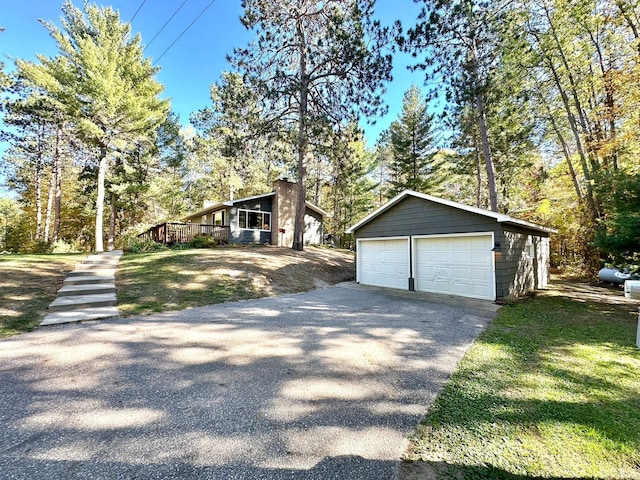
[(264, 219), (420, 242)]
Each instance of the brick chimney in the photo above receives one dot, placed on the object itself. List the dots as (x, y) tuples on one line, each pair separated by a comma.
[(284, 212)]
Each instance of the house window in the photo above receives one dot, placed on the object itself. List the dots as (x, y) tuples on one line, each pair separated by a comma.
[(218, 218), (254, 220)]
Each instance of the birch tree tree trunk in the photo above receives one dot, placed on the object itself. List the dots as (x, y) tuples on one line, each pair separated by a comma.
[(102, 173)]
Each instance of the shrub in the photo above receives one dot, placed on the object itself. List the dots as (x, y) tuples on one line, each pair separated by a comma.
[(146, 246), (202, 241), (60, 246)]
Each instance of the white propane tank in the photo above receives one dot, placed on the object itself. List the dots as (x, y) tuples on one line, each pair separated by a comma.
[(638, 333), (632, 289)]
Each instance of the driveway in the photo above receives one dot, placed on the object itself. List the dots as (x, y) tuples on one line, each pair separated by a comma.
[(325, 384)]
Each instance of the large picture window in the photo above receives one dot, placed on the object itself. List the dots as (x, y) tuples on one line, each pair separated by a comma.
[(254, 220)]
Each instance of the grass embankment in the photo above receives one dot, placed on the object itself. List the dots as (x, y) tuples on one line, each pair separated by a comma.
[(178, 279), (550, 390), (28, 284)]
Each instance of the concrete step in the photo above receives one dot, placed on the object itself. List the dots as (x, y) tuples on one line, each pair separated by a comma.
[(88, 272), (83, 301), (86, 289), (89, 279), (93, 259), (88, 292), (80, 314)]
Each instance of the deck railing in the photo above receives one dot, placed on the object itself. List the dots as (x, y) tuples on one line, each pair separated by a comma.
[(170, 233)]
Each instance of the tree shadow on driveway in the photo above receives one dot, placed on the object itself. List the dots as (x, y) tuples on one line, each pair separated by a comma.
[(324, 384)]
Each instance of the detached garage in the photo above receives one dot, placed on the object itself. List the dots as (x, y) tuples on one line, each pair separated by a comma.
[(420, 242)]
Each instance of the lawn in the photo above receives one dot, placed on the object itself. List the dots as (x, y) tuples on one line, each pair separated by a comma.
[(28, 284), (179, 279), (550, 390), (170, 280)]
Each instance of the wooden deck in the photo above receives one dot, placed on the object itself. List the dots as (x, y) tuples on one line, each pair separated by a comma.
[(170, 233)]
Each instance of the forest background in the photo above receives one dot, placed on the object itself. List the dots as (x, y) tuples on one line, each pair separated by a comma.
[(528, 108)]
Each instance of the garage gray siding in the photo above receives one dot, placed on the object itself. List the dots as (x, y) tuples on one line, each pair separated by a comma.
[(414, 216), (522, 265)]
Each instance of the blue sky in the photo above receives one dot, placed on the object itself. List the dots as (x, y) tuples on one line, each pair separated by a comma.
[(198, 58)]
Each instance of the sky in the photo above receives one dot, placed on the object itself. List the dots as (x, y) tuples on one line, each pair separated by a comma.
[(198, 57)]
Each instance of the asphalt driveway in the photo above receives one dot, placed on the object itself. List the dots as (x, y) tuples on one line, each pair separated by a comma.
[(325, 384)]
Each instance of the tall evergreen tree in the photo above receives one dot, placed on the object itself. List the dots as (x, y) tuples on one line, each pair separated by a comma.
[(412, 151), (459, 42), (107, 87), (314, 61)]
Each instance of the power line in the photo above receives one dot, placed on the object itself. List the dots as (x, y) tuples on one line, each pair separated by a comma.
[(184, 31), (165, 24), (134, 15)]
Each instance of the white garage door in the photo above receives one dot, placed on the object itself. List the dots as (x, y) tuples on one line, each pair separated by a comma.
[(457, 265), (384, 263)]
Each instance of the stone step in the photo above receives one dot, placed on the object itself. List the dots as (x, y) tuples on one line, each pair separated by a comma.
[(86, 289), (88, 272), (80, 314), (89, 279), (83, 301)]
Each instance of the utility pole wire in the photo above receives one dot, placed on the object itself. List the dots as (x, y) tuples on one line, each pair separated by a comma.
[(134, 15), (184, 31), (165, 24)]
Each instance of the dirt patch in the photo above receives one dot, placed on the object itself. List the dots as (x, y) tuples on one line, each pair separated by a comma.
[(174, 280), (587, 292), (282, 270)]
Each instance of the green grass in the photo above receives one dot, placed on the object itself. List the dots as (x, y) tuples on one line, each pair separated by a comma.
[(550, 390), (28, 284)]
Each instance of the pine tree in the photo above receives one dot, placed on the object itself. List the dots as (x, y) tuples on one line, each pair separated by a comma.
[(410, 139), (459, 41), (314, 62), (105, 84)]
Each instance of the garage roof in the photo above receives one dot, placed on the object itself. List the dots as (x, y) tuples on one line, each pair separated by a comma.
[(499, 217)]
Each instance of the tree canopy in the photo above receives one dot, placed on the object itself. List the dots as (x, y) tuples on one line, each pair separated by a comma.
[(313, 65), (104, 85)]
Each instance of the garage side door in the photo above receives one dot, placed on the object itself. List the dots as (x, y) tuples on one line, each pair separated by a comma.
[(384, 263), (456, 266)]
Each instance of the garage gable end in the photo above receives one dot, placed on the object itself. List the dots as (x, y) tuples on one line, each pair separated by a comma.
[(415, 216), (446, 205), (419, 242)]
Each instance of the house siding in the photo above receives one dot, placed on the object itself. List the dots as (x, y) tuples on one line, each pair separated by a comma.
[(313, 232), (237, 235)]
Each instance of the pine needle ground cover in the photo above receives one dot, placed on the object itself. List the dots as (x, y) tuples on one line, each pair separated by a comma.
[(28, 284), (179, 279), (550, 390)]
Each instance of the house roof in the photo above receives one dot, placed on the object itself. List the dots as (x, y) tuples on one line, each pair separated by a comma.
[(230, 203), (499, 217)]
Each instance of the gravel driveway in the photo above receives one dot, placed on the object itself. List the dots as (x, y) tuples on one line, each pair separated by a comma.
[(325, 384)]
